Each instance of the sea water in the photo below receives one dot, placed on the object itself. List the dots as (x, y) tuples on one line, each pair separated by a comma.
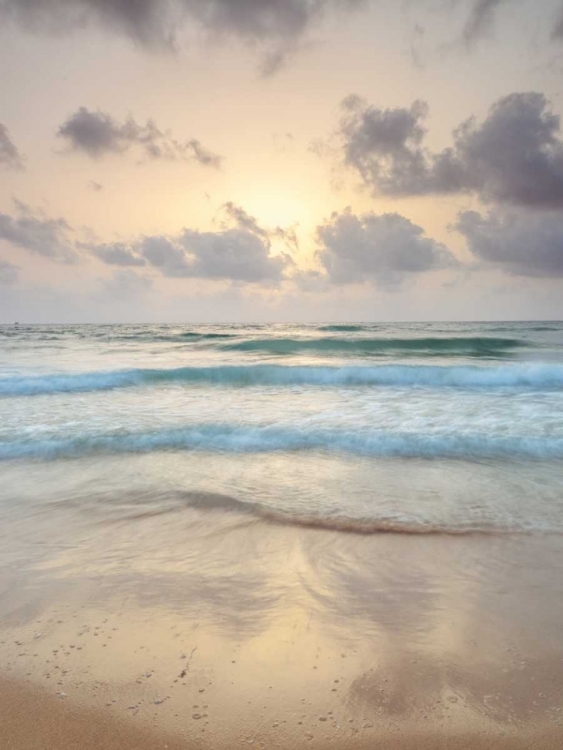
[(445, 427)]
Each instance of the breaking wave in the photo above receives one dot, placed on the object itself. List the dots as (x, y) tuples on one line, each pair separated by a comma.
[(536, 376), (230, 438)]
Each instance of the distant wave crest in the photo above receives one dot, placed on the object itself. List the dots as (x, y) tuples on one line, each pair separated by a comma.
[(345, 328), (538, 376), (469, 346)]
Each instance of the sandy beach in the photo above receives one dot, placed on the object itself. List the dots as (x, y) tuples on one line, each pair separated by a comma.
[(245, 633)]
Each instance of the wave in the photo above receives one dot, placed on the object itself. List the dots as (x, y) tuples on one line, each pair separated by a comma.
[(109, 337), (526, 328), (156, 501), (342, 328), (539, 377), (228, 438), (474, 346), (214, 502), (184, 337)]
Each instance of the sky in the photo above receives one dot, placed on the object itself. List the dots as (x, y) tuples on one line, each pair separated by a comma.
[(280, 160)]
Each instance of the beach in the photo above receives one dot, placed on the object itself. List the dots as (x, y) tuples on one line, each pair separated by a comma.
[(281, 375), (192, 563), (269, 635)]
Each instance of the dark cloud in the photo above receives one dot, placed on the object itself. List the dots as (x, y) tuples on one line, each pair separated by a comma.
[(239, 253), (9, 155), (148, 22), (385, 249), (236, 254), (98, 134), (255, 20), (481, 19), (8, 273), (519, 242), (37, 233), (115, 254), (276, 25), (277, 28), (515, 156), (166, 254), (385, 146)]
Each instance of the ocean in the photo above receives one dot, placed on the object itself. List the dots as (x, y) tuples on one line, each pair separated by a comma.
[(444, 427)]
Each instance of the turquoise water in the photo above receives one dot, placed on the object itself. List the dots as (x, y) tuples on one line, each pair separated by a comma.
[(441, 427)]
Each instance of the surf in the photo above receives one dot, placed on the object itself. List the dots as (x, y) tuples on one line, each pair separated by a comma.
[(535, 376), (230, 438)]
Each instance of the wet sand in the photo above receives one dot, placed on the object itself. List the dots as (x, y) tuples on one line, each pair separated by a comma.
[(31, 718), (207, 629)]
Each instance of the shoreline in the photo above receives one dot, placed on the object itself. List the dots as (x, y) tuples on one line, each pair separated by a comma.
[(230, 634)]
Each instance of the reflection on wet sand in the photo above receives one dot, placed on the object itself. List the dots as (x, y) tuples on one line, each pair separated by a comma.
[(279, 635)]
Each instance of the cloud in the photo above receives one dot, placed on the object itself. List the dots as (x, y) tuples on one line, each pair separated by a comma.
[(240, 253), (519, 242), (274, 25), (8, 273), (243, 220), (288, 236), (115, 254), (202, 155), (167, 254), (37, 233), (385, 146), (480, 21), (515, 156), (383, 249), (98, 134), (147, 22), (10, 157), (236, 254)]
